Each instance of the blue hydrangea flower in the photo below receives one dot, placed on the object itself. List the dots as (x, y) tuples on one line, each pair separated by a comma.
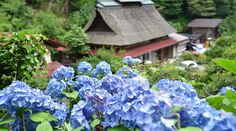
[(77, 117), (177, 88), (224, 89), (202, 115), (111, 83), (55, 88), (102, 68), (84, 67), (127, 72), (142, 110), (19, 95), (83, 84), (63, 73), (128, 60), (196, 112)]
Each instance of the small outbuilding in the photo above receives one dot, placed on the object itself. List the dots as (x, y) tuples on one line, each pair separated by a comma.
[(205, 27), (134, 26)]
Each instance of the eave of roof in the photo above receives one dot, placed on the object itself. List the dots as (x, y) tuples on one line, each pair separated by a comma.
[(119, 3), (141, 50), (205, 22)]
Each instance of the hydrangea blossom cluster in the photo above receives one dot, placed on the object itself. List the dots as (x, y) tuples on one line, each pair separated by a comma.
[(19, 95), (63, 73), (61, 79), (143, 109), (127, 72), (84, 67), (54, 89), (77, 117), (224, 89), (82, 113), (196, 112), (182, 94), (128, 60), (103, 68), (125, 98), (82, 84)]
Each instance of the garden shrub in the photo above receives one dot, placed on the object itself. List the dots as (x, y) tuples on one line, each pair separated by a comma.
[(76, 39), (20, 55), (111, 56), (188, 56)]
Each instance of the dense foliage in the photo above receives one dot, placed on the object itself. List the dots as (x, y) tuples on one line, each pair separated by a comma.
[(180, 12), (111, 56), (76, 39), (20, 55), (53, 18)]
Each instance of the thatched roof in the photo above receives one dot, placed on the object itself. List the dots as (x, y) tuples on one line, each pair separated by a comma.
[(205, 23), (128, 25)]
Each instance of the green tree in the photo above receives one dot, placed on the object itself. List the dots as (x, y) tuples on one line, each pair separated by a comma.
[(169, 8), (222, 8), (49, 24), (20, 55), (202, 8), (76, 39), (15, 15)]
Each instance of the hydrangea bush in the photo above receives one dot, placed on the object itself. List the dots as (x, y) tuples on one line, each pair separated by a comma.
[(125, 98)]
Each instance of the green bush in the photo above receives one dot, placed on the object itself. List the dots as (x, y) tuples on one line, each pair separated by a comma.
[(20, 55), (76, 39), (48, 24), (40, 80), (187, 56), (109, 55)]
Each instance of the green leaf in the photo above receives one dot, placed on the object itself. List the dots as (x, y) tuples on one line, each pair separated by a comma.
[(3, 129), (67, 126), (74, 94), (45, 126), (94, 123), (215, 101), (190, 129), (230, 109), (176, 109), (231, 96), (42, 117), (7, 121), (229, 65), (155, 88), (118, 128), (78, 129), (226, 102)]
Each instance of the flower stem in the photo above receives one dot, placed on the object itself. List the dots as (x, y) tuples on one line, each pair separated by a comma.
[(23, 121), (178, 121)]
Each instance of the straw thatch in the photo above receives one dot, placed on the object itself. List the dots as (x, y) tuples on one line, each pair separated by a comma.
[(205, 23), (128, 25)]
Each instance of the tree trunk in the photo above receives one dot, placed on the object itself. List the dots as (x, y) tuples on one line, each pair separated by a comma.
[(65, 9)]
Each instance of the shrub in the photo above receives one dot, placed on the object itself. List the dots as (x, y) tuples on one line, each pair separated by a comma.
[(187, 56), (76, 39), (110, 56), (20, 55)]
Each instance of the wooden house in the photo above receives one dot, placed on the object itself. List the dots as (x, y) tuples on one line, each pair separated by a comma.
[(205, 27), (134, 26)]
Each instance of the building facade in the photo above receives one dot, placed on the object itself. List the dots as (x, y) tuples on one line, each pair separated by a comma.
[(205, 27), (134, 26)]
